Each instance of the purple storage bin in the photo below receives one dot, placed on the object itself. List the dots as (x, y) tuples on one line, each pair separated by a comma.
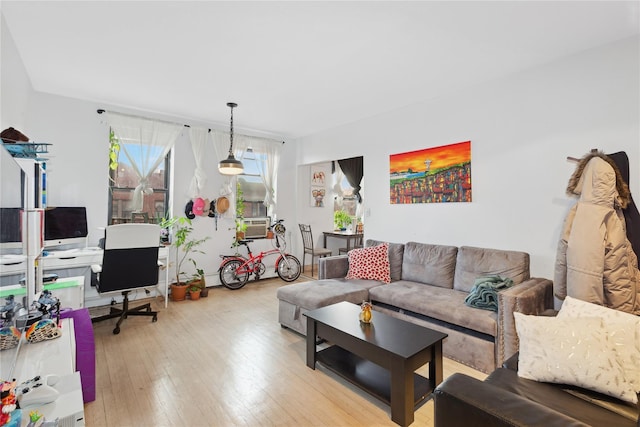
[(85, 350)]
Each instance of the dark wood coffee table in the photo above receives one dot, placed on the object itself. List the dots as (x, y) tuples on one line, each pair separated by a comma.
[(380, 357)]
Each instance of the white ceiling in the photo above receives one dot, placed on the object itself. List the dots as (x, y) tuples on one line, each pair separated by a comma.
[(294, 68)]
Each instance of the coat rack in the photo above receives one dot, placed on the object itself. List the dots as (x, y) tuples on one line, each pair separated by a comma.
[(573, 159)]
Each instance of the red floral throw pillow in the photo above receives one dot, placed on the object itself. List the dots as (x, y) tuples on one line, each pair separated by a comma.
[(370, 263)]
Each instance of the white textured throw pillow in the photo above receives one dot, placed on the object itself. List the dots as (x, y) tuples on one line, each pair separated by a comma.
[(573, 351), (623, 330)]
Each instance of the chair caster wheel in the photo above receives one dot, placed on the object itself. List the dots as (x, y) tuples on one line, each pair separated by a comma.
[(154, 319), (116, 331)]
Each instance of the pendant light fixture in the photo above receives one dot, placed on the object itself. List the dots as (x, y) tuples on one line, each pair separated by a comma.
[(231, 166)]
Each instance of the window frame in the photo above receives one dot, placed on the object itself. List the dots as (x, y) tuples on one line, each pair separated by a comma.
[(166, 190), (262, 208)]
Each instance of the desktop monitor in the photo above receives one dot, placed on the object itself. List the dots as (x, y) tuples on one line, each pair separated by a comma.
[(13, 188), (10, 228), (65, 226)]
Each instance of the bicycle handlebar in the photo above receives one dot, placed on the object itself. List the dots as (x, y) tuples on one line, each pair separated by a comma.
[(276, 223), (278, 227)]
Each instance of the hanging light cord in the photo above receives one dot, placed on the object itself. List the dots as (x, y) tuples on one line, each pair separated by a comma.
[(231, 105)]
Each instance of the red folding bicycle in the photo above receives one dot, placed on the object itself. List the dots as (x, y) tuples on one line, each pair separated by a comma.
[(236, 269)]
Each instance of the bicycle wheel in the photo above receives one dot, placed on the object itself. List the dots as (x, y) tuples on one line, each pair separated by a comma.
[(229, 276), (289, 268)]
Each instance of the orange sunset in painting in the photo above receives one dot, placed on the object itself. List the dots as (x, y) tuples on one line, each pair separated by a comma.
[(433, 175)]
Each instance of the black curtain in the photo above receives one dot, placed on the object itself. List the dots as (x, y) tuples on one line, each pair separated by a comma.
[(354, 171)]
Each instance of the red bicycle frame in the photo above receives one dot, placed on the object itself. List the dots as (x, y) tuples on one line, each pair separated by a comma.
[(249, 265)]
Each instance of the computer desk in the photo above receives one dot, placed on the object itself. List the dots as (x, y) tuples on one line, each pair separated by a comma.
[(77, 258)]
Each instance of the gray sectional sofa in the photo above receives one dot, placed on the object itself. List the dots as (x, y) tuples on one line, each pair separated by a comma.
[(429, 284)]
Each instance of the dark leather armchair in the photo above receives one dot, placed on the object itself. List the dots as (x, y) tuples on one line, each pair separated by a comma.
[(504, 399)]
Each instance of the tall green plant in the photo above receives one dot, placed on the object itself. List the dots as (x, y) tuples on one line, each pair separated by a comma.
[(114, 150), (239, 201), (182, 230)]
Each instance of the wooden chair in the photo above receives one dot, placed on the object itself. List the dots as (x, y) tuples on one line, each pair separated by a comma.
[(307, 241), (357, 243)]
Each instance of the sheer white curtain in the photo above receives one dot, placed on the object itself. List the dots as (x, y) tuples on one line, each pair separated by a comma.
[(267, 166), (148, 134), (198, 137)]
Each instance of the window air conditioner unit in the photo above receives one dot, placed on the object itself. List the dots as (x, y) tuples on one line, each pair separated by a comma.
[(257, 228)]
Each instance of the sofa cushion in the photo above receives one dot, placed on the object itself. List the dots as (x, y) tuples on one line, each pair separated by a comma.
[(396, 251), (573, 351), (474, 262), (431, 264), (371, 263), (442, 304), (321, 293), (623, 330)]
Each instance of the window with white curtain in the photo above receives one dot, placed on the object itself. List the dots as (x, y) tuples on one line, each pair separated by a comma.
[(250, 186), (124, 180), (343, 195)]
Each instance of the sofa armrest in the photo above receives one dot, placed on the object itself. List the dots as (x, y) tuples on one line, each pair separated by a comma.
[(464, 401), (333, 267), (532, 296)]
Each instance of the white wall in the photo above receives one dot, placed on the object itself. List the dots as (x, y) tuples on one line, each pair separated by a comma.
[(522, 128), (320, 218)]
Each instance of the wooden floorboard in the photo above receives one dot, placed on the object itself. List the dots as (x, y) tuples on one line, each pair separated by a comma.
[(224, 360)]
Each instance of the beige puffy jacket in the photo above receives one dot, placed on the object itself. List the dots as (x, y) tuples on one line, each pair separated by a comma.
[(595, 261)]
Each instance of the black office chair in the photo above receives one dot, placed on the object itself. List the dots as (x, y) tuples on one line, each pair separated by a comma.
[(357, 244), (129, 262), (307, 241)]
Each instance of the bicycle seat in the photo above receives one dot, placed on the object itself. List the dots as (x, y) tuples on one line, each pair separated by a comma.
[(245, 241)]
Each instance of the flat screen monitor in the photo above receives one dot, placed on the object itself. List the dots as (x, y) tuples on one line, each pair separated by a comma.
[(13, 187), (65, 226), (10, 228)]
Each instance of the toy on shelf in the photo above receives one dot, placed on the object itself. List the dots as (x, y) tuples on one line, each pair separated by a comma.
[(9, 337), (47, 304), (42, 330), (8, 310), (10, 415), (37, 391)]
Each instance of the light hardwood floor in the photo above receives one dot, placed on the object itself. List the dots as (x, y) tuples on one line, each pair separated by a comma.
[(224, 360)]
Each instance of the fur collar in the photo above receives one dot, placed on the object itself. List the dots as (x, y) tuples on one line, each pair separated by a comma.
[(623, 189)]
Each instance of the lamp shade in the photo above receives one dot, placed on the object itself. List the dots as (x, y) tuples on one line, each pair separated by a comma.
[(230, 166)]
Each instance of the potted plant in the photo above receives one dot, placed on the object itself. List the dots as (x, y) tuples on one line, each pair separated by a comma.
[(241, 228), (198, 280), (341, 219), (185, 247), (194, 292)]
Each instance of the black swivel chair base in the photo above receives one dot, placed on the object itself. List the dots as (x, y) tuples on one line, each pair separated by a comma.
[(125, 311)]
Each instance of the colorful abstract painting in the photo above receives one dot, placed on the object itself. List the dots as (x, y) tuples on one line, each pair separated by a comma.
[(433, 175)]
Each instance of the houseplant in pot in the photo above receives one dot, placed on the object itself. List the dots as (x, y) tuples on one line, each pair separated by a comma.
[(194, 292), (341, 219), (198, 280), (185, 247), (241, 228)]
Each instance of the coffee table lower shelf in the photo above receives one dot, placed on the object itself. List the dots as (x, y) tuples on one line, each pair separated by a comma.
[(369, 376)]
